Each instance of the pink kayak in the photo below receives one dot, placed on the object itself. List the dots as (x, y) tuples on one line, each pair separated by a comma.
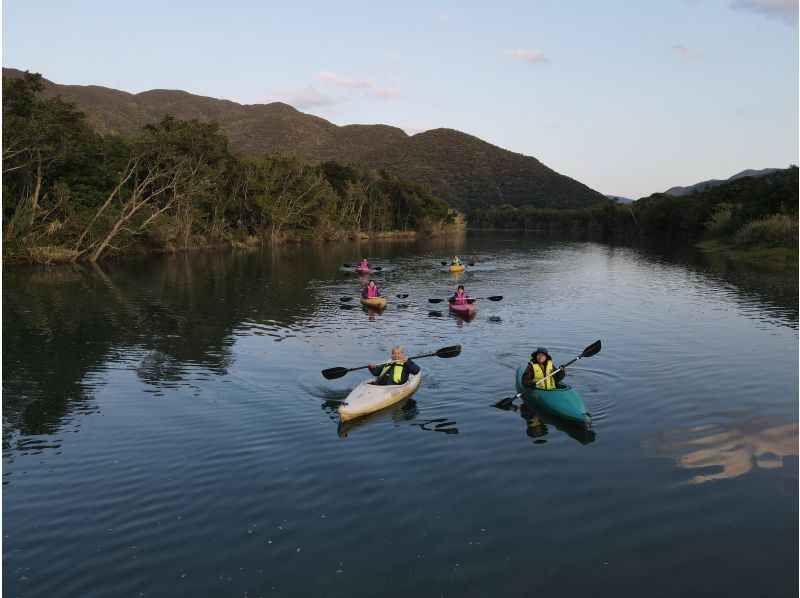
[(465, 310), (362, 269)]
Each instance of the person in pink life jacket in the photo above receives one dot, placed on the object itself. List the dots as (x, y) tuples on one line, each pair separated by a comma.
[(460, 296), (363, 263), (370, 291)]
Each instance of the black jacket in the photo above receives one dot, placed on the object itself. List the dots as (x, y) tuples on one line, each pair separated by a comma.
[(409, 367)]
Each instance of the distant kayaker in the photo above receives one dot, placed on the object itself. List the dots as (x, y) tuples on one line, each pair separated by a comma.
[(364, 263), (540, 366), (459, 297), (370, 291), (456, 261), (396, 371)]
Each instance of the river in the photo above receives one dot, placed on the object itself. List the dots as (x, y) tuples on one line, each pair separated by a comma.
[(167, 431)]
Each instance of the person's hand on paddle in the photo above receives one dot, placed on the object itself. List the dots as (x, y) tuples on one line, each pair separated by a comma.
[(373, 365)]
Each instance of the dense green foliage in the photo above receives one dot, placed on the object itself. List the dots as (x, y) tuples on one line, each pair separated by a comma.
[(463, 170), (751, 212), (70, 193)]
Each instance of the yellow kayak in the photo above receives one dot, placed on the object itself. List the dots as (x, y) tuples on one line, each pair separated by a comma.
[(458, 268), (374, 302)]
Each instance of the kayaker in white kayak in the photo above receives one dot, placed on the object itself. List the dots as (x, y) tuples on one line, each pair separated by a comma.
[(370, 291), (541, 366), (395, 371), (459, 297)]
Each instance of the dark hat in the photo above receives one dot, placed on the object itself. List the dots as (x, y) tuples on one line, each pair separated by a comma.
[(541, 350)]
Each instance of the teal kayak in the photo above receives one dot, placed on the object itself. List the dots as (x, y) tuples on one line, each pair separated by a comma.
[(563, 401)]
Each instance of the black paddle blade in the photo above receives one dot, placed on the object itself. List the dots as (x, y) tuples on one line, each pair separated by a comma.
[(505, 402), (592, 349), (402, 295), (435, 300), (453, 351), (332, 373), (470, 263), (495, 298), (345, 298), (378, 268), (347, 265)]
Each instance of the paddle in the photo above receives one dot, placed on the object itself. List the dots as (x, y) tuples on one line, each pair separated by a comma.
[(402, 296), (332, 373), (378, 268), (471, 299), (592, 349), (462, 263)]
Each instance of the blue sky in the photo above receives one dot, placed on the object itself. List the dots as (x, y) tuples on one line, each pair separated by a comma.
[(629, 97)]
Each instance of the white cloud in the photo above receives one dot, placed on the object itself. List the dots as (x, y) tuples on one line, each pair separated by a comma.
[(445, 16), (310, 98), (529, 56), (687, 53), (786, 10), (366, 86)]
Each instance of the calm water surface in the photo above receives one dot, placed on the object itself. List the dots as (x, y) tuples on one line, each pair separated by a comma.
[(167, 432)]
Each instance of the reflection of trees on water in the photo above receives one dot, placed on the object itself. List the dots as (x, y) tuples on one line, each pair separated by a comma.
[(718, 452), (164, 317)]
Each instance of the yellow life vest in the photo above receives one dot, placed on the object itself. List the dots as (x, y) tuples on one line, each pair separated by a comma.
[(397, 374), (548, 384)]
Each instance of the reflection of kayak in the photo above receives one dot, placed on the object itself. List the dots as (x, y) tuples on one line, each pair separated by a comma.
[(404, 410), (368, 397), (465, 310), (563, 401), (362, 269), (538, 422), (458, 268), (376, 302)]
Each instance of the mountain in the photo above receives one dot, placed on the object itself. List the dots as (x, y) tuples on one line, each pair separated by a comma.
[(467, 172), (620, 199), (676, 191)]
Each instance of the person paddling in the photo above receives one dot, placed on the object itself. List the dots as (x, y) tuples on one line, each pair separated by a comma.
[(364, 264), (395, 371), (456, 261), (540, 366), (370, 291), (459, 297)]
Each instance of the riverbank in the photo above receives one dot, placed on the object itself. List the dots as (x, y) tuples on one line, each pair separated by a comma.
[(774, 257)]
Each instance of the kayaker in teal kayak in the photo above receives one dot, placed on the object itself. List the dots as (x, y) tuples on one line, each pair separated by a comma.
[(459, 297), (540, 366), (370, 291), (395, 371)]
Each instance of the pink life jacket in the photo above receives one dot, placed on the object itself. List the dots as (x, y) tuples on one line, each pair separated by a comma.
[(372, 291), (461, 298), (363, 264)]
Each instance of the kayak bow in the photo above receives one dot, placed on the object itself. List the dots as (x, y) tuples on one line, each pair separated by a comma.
[(368, 397)]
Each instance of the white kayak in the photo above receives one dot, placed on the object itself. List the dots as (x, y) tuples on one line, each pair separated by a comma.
[(368, 397)]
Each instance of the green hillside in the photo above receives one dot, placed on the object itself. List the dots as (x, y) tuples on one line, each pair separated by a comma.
[(464, 170)]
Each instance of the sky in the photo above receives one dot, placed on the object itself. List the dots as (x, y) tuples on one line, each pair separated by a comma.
[(629, 97)]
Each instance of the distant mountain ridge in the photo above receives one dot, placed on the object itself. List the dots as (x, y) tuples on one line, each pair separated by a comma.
[(677, 191), (464, 170)]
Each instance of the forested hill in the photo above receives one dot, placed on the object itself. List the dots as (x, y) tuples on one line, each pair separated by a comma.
[(467, 172)]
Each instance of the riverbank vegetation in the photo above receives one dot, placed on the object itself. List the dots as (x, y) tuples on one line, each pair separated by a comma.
[(753, 215), (72, 194)]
